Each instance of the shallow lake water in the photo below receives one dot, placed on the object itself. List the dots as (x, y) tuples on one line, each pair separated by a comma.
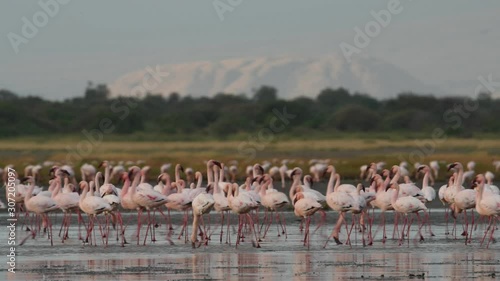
[(436, 258)]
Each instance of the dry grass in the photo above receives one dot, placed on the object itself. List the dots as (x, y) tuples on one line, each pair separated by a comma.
[(347, 154)]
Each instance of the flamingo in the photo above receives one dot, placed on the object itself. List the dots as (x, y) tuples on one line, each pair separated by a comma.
[(428, 191), (92, 206), (273, 201), (489, 187), (434, 165), (67, 202), (41, 206), (339, 201), (242, 205), (126, 199), (383, 198), (148, 199), (496, 163), (304, 208), (87, 172), (180, 201), (450, 193), (487, 206), (221, 202), (465, 200), (233, 171), (405, 189), (441, 195), (406, 205), (202, 204)]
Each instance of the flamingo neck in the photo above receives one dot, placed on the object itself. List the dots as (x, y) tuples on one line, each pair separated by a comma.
[(134, 185), (210, 172), (395, 194), (55, 189), (200, 180), (296, 182), (96, 181), (425, 181), (125, 188), (329, 188), (84, 192), (337, 182), (216, 183), (396, 177), (460, 178), (177, 173), (479, 194), (106, 174), (28, 195), (221, 174)]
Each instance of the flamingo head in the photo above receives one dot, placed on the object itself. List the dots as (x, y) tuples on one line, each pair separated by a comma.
[(132, 171), (330, 169), (259, 169), (423, 168), (28, 179), (296, 172), (392, 185), (394, 170), (297, 197), (53, 170), (360, 186), (478, 180), (217, 163), (103, 164), (83, 185), (455, 165), (308, 179)]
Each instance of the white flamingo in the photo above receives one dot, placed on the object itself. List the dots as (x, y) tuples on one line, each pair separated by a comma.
[(304, 208), (273, 201), (242, 205), (489, 187), (407, 205), (487, 206), (41, 206), (148, 199), (67, 202), (92, 206)]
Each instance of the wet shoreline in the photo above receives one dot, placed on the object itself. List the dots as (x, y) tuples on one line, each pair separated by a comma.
[(438, 257)]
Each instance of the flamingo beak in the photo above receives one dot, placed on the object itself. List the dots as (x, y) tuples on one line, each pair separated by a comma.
[(451, 166)]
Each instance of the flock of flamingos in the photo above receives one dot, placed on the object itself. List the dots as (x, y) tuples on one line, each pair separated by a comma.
[(386, 189)]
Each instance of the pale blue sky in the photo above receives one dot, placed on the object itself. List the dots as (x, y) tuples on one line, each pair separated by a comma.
[(436, 41)]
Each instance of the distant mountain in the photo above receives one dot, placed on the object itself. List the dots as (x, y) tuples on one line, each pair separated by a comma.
[(292, 76)]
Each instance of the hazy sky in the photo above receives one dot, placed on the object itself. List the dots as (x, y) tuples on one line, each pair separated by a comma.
[(444, 43)]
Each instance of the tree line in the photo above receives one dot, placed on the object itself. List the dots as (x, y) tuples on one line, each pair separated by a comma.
[(225, 115)]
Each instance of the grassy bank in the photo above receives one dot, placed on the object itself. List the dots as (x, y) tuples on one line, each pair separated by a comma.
[(346, 153)]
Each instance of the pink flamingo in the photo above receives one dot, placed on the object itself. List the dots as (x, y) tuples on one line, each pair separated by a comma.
[(41, 206), (273, 201), (305, 207), (407, 205), (93, 206), (68, 202), (487, 206), (148, 199), (242, 205)]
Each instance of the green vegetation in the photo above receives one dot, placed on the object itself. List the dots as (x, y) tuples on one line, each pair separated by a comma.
[(335, 113)]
